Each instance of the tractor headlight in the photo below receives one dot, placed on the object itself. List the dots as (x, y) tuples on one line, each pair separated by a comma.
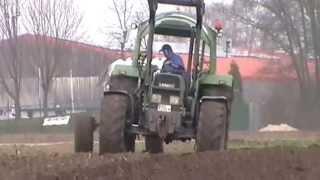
[(156, 98), (174, 100)]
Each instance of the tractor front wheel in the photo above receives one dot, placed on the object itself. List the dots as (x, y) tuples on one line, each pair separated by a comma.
[(84, 126)]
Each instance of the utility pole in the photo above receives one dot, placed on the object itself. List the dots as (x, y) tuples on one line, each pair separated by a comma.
[(71, 91), (228, 48), (39, 91), (15, 13)]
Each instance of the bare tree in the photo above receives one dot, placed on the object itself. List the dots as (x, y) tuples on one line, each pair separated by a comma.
[(11, 62), (284, 22), (127, 12), (293, 26), (313, 11), (52, 22)]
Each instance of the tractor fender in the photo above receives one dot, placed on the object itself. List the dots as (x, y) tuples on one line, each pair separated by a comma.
[(222, 99), (123, 93)]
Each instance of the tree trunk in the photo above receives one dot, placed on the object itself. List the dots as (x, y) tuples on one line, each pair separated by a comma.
[(251, 40), (122, 50), (45, 103), (123, 43), (298, 59), (316, 46), (303, 45), (46, 88), (304, 26), (17, 106)]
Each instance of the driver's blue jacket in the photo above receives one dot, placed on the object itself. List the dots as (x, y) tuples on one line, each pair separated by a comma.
[(177, 62), (175, 65)]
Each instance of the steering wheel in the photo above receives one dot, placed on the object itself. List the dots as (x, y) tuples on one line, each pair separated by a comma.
[(167, 62)]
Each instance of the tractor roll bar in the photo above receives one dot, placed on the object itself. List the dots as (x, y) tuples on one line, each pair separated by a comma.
[(182, 2), (153, 6)]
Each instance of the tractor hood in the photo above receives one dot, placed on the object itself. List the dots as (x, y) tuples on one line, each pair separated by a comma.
[(127, 68)]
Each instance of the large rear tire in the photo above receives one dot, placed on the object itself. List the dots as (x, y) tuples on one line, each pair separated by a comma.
[(83, 132), (212, 127), (113, 123), (153, 144)]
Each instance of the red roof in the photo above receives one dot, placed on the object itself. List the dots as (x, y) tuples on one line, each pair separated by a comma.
[(109, 54), (279, 69), (255, 68), (251, 68)]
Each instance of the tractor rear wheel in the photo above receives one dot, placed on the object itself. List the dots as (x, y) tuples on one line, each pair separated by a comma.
[(212, 127), (153, 144), (83, 132), (113, 123)]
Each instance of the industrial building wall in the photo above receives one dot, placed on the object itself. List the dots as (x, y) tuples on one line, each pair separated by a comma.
[(87, 93)]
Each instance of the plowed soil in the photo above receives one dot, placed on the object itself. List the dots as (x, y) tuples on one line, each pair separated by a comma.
[(54, 162), (237, 165)]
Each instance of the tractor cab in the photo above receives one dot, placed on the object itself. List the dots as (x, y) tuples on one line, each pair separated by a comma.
[(174, 24), (169, 92)]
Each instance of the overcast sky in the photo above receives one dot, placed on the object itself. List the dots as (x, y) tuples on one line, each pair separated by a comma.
[(97, 15)]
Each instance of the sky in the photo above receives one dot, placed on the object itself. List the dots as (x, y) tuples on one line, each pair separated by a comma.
[(97, 15)]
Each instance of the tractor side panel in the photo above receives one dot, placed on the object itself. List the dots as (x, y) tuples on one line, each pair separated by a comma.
[(215, 85), (123, 83), (216, 91), (125, 70), (216, 80)]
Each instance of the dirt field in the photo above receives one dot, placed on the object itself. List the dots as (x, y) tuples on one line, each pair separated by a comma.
[(260, 156)]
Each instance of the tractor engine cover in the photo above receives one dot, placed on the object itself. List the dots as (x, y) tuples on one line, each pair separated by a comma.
[(166, 108)]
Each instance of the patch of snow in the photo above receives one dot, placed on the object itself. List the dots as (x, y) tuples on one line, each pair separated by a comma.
[(278, 128)]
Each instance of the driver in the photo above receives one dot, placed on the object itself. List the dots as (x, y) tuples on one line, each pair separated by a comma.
[(173, 63)]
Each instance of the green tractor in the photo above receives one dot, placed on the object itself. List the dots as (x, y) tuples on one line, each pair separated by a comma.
[(163, 107)]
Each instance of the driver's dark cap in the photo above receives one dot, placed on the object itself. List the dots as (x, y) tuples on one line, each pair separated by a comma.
[(166, 47)]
